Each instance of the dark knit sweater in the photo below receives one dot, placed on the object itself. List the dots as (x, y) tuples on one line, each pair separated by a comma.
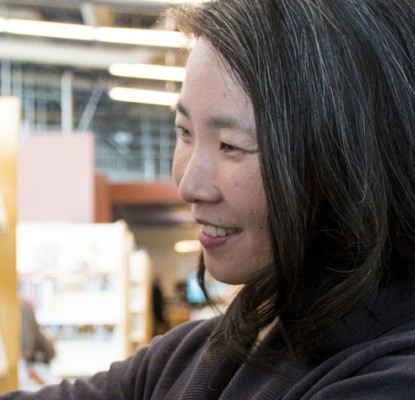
[(375, 361)]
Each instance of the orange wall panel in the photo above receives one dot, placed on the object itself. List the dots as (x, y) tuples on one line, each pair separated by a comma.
[(102, 200), (144, 192)]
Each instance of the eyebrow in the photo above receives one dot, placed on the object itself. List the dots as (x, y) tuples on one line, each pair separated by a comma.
[(179, 107), (219, 122)]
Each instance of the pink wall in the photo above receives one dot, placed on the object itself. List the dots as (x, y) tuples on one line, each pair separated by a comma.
[(55, 178)]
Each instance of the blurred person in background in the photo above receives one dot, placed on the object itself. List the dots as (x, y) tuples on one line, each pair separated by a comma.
[(34, 346), (36, 351), (160, 325)]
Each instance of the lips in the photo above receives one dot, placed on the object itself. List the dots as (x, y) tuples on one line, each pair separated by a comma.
[(218, 231)]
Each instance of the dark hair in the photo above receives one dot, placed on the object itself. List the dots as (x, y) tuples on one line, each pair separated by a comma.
[(332, 85)]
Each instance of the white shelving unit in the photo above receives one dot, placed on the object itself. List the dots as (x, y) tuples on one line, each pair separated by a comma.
[(77, 276), (140, 300)]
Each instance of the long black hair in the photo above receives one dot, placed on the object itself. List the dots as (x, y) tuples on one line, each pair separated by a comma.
[(332, 83)]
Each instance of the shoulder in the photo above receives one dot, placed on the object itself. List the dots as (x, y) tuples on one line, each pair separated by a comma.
[(188, 335), (138, 375), (167, 354), (382, 369)]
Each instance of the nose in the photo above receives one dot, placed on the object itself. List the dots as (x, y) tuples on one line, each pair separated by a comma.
[(195, 174)]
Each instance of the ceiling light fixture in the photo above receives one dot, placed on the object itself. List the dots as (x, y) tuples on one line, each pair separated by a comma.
[(143, 96), (146, 71), (174, 1), (187, 246), (58, 30), (167, 2)]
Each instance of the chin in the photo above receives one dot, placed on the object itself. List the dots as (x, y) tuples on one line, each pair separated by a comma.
[(225, 277)]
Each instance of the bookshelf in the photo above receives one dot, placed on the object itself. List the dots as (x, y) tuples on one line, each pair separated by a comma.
[(77, 276), (139, 300)]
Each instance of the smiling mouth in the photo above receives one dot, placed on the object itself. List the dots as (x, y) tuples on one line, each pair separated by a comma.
[(218, 231)]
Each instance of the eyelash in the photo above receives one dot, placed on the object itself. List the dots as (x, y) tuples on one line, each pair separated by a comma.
[(185, 135), (227, 148), (182, 132)]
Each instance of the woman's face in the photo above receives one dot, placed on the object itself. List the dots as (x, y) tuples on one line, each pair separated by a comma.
[(216, 168)]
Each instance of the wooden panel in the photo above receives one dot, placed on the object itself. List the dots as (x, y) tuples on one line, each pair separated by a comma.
[(102, 202), (154, 192), (9, 312)]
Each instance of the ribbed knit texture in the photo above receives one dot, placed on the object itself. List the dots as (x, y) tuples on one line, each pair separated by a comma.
[(376, 361)]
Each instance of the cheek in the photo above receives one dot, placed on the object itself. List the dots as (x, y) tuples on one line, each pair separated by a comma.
[(250, 190), (258, 211), (257, 205), (178, 165), (247, 195)]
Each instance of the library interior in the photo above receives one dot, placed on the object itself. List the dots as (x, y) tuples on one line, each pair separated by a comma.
[(99, 252)]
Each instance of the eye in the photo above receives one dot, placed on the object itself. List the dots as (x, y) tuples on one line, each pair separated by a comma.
[(183, 133), (227, 148)]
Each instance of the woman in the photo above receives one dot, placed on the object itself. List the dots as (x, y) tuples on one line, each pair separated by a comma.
[(296, 152)]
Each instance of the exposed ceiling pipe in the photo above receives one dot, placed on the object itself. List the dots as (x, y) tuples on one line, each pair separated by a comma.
[(6, 80), (86, 119), (88, 13), (70, 55), (67, 102)]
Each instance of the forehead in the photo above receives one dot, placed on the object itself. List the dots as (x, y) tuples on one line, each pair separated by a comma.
[(211, 87)]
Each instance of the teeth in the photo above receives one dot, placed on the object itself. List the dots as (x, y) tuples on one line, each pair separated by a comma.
[(209, 230), (220, 231), (217, 231)]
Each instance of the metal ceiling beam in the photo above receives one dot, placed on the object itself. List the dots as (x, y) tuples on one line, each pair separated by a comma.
[(93, 57), (96, 15), (76, 3), (151, 7)]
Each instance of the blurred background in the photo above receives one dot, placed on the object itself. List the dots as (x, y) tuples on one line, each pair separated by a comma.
[(95, 238)]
